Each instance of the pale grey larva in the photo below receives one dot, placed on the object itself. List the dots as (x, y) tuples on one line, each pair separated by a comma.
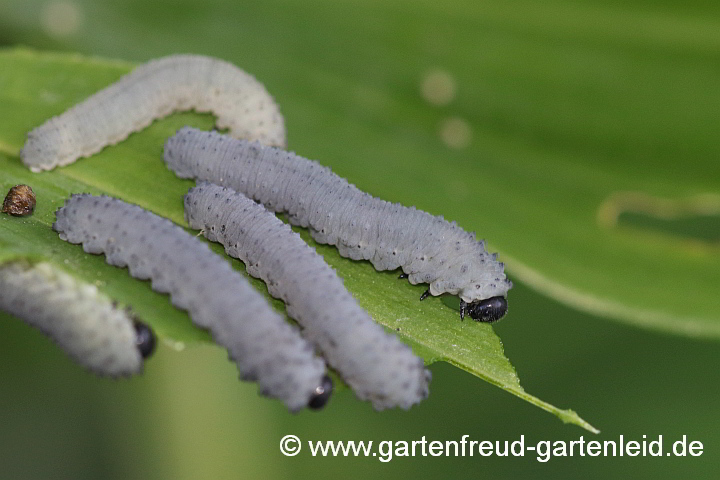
[(429, 249), (87, 325), (265, 347), (377, 366), (151, 91)]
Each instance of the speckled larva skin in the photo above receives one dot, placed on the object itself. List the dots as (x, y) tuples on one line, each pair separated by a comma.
[(377, 366), (428, 248), (265, 347), (152, 91), (80, 320)]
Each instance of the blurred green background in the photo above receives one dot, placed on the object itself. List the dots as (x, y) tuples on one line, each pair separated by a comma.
[(578, 78)]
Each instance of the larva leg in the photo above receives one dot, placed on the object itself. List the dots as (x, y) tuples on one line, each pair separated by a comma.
[(403, 276), (425, 295)]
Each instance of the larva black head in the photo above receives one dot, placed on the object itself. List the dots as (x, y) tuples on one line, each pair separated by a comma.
[(144, 339), (488, 310), (321, 395)]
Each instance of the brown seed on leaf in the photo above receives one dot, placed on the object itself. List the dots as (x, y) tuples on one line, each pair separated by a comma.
[(19, 201)]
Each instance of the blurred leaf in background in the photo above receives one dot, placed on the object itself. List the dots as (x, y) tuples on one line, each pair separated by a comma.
[(555, 110)]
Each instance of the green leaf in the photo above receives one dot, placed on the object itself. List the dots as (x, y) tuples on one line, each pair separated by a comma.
[(35, 86)]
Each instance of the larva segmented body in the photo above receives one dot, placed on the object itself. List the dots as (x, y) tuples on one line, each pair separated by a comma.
[(429, 249), (151, 91), (377, 366), (264, 346), (84, 323)]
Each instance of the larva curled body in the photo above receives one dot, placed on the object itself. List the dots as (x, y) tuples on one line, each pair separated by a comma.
[(429, 249), (151, 91), (93, 331), (264, 346), (377, 366)]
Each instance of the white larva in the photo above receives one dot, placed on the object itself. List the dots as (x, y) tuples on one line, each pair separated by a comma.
[(152, 91), (429, 249), (377, 366), (84, 323), (265, 347)]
